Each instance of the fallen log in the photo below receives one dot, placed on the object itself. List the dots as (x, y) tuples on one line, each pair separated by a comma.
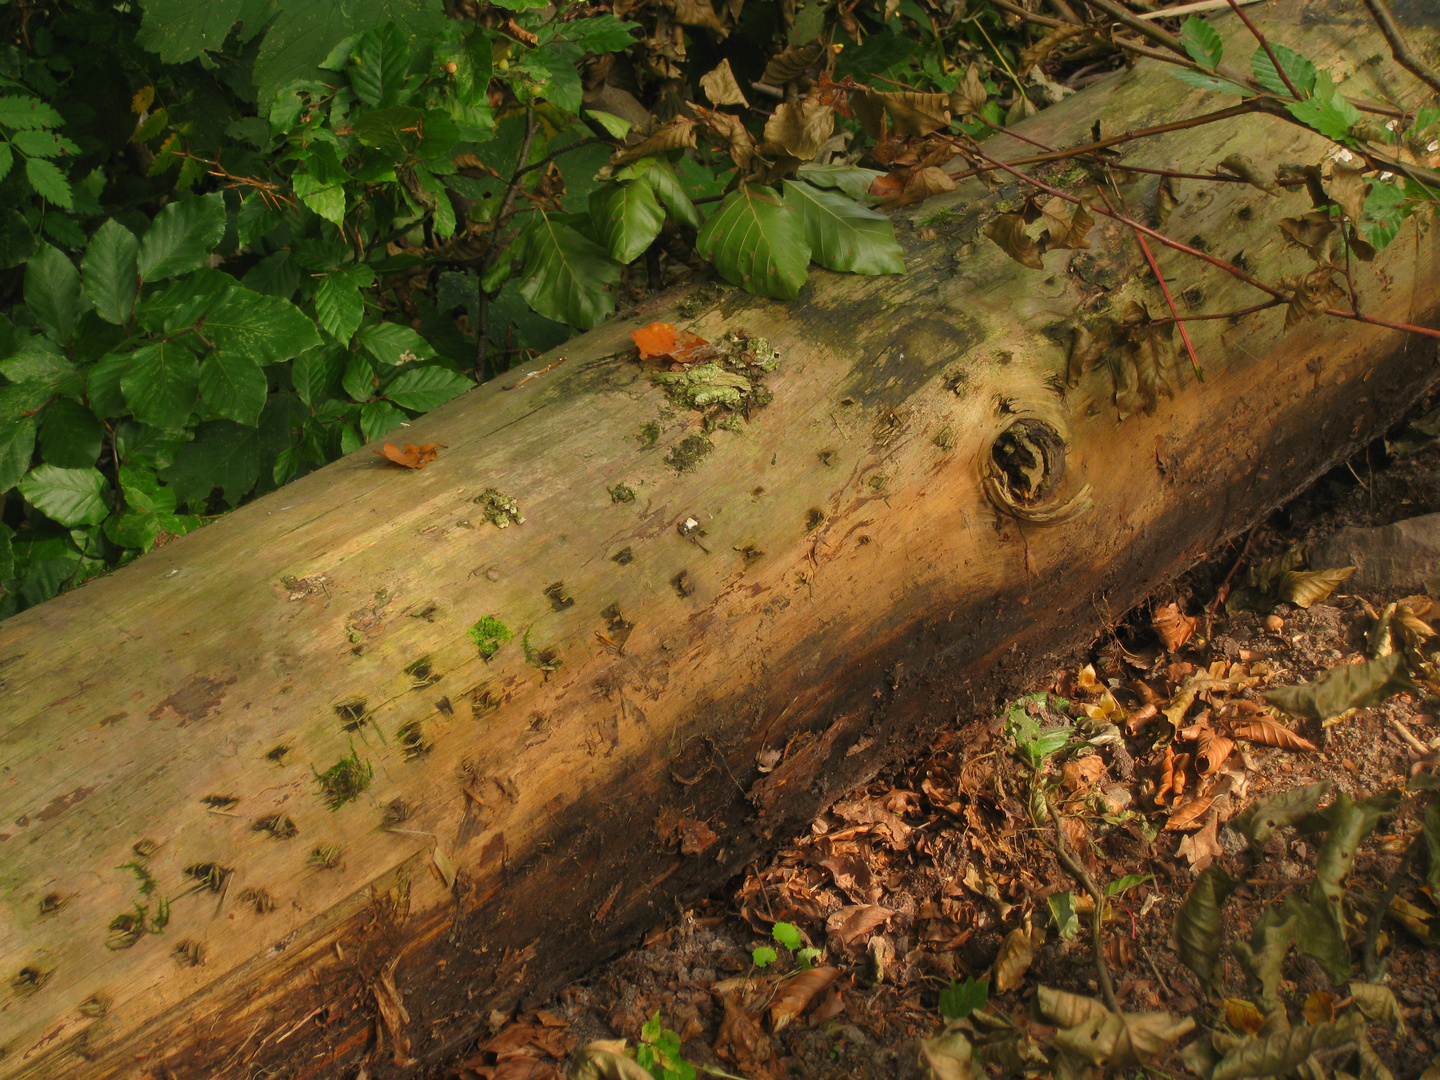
[(388, 749)]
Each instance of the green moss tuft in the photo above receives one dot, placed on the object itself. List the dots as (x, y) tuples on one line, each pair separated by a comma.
[(498, 508), (621, 493), (346, 780), (687, 454), (489, 634)]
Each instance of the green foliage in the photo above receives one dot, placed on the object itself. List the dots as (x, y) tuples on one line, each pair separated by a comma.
[(960, 999), (489, 634), (1202, 42), (659, 1052), (763, 956)]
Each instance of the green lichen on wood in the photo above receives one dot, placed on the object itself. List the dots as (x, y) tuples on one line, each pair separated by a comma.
[(489, 634), (346, 780), (685, 455), (621, 493), (729, 385), (498, 508)]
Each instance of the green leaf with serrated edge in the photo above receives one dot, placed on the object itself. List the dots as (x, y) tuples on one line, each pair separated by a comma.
[(758, 243), (338, 305), (143, 490), (162, 384), (257, 216), (178, 305), (70, 435), (22, 399), (224, 454), (1199, 932), (180, 30), (427, 387), (396, 130), (566, 275), (102, 391), (141, 444), (379, 418), (599, 33), (627, 217), (262, 329), (17, 446), (1345, 687), (316, 371), (391, 344), (1279, 1053), (1328, 113), (233, 386), (843, 235), (1201, 81), (1261, 818), (42, 144), (27, 113), (182, 236), (69, 496), (111, 272), (787, 934), (1202, 42), (960, 999), (275, 275), (378, 64), (851, 179), (1301, 71), (17, 242), (52, 293), (49, 182)]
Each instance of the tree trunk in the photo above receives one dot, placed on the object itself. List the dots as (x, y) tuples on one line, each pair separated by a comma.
[(261, 785)]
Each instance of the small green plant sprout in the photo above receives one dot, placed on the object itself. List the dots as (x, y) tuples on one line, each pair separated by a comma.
[(787, 934), (346, 780), (1120, 886), (1064, 914), (762, 956), (489, 634), (659, 1052), (1034, 744), (960, 999)]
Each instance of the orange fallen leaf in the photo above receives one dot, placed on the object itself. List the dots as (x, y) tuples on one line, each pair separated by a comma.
[(1173, 626), (412, 457), (1188, 816), (797, 992), (1243, 1016), (1265, 730), (1319, 1007), (662, 341)]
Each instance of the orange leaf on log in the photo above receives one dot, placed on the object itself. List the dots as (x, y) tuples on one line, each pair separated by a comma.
[(662, 341), (412, 457), (1265, 730)]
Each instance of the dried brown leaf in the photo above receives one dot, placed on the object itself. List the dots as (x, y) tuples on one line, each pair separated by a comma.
[(1188, 815), (1348, 188), (854, 921), (720, 86), (1013, 960), (1087, 350), (796, 993), (1311, 230), (1066, 224), (1165, 202), (729, 130), (1244, 1016), (1314, 294), (970, 96), (796, 61), (913, 113), (1038, 50), (922, 183), (1008, 233), (1305, 587), (412, 456), (1202, 847), (678, 134), (740, 1039), (1319, 1009), (700, 14), (1173, 626), (799, 128), (1270, 732)]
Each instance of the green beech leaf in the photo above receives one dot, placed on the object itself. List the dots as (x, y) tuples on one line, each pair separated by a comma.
[(378, 64), (7, 549), (378, 418), (17, 446), (758, 243), (143, 490), (627, 217), (49, 182), (52, 292), (181, 30), (257, 217), (668, 189), (234, 386), (112, 275), (1202, 81), (1301, 71), (316, 371), (358, 379), (1199, 933), (566, 275), (1346, 687), (17, 242), (70, 434), (1261, 818), (161, 384), (21, 399), (599, 34), (274, 275), (224, 455), (338, 305), (960, 999), (1327, 111), (851, 179), (261, 329), (69, 496), (392, 344), (615, 126), (395, 130), (7, 161), (182, 236), (426, 387), (1202, 42), (843, 235)]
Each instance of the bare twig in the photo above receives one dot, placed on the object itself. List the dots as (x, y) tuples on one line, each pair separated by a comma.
[(1077, 870), (1141, 27), (1399, 47), (1270, 52)]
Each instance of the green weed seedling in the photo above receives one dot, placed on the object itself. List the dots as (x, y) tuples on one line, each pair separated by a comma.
[(788, 935)]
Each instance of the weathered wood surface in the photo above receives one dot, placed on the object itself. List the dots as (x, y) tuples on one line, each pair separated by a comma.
[(855, 588)]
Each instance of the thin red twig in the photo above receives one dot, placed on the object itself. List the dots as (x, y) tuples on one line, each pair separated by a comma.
[(1264, 44)]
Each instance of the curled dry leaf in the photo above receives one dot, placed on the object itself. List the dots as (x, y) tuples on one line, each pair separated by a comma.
[(1065, 1010), (720, 86), (1083, 773), (1314, 294), (970, 96), (1173, 626), (1189, 815), (1311, 230), (1123, 1041), (740, 1039), (948, 1056), (412, 456), (605, 1059), (854, 921), (800, 129), (1305, 587), (1008, 233), (678, 134), (661, 341), (1013, 960), (1319, 1009), (796, 61), (796, 993), (1270, 732), (922, 183), (1348, 188), (1066, 224)]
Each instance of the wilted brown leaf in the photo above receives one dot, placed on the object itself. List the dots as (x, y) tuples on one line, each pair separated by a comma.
[(1008, 233), (740, 1039), (913, 113), (678, 134), (800, 129), (1241, 166), (922, 183), (1311, 230), (798, 60), (700, 14), (1305, 587), (1270, 732), (1188, 815), (730, 130), (412, 456), (1244, 1016), (1165, 202), (605, 1059), (1037, 51), (1202, 847), (1013, 960), (1083, 772), (662, 341), (795, 994), (970, 96), (1174, 626), (1066, 224), (1314, 294), (854, 921), (1087, 350), (720, 86), (1348, 188), (1064, 1009), (1319, 1009)]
